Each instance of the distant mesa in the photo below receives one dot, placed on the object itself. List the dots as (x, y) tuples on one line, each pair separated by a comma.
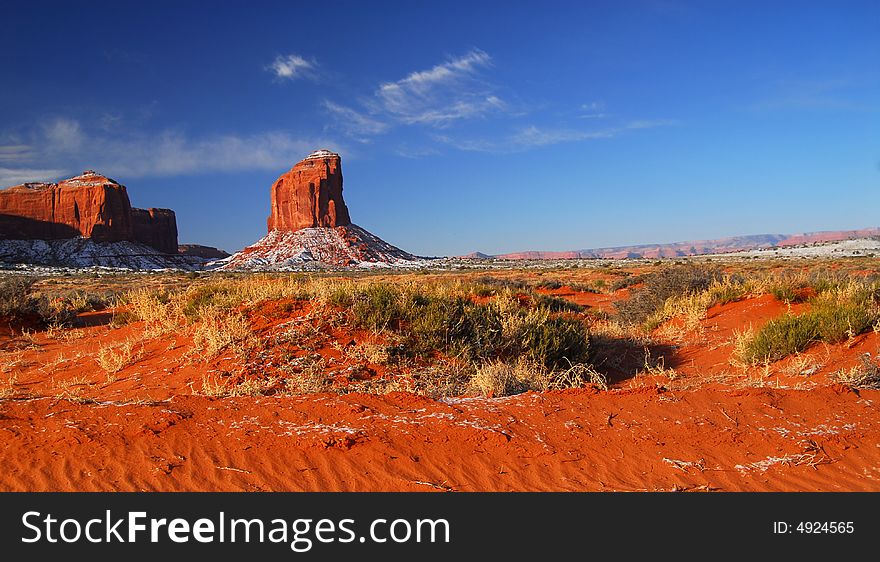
[(202, 252), (309, 225), (477, 256), (39, 221), (690, 248)]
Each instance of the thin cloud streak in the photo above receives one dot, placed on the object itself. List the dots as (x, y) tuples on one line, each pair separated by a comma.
[(65, 142), (354, 122), (534, 137), (292, 66), (16, 176)]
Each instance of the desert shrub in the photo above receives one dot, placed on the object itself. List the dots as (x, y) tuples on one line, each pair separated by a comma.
[(200, 297), (659, 287), (217, 331), (496, 378), (454, 325), (444, 319), (781, 337), (15, 296), (844, 312), (61, 308), (730, 288), (551, 340), (834, 316), (596, 286), (19, 299), (786, 293), (628, 281), (549, 284), (490, 281), (555, 304), (340, 295), (483, 291), (115, 358), (375, 306)]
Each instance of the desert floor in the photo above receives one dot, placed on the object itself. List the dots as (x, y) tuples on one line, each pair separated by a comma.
[(111, 403)]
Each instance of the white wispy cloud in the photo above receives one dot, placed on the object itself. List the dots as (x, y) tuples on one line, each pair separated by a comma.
[(533, 136), (14, 152), (68, 144), (291, 67), (16, 176), (354, 122), (446, 92), (63, 135)]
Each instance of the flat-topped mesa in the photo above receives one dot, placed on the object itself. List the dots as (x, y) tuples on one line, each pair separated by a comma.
[(310, 195), (89, 205)]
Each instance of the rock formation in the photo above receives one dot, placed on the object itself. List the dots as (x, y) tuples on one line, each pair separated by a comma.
[(309, 195), (202, 252), (310, 226), (156, 228), (89, 205)]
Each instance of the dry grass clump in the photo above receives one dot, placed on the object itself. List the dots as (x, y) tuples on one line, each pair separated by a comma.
[(676, 281), (217, 330), (117, 357), (864, 375), (496, 378), (7, 387), (369, 352), (307, 375)]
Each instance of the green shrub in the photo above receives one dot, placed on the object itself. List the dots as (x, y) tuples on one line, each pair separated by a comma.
[(786, 293), (834, 316), (537, 329), (553, 341), (375, 306), (781, 337), (555, 304)]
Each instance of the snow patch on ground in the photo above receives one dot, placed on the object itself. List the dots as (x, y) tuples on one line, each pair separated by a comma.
[(842, 248), (318, 248), (85, 252)]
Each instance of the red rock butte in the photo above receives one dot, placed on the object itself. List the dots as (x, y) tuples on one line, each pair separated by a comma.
[(310, 195), (89, 205)]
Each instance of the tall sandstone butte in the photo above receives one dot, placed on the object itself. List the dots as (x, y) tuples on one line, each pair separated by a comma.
[(90, 205), (310, 195)]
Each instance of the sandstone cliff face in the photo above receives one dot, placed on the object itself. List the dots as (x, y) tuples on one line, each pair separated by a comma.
[(88, 205), (310, 195), (156, 228)]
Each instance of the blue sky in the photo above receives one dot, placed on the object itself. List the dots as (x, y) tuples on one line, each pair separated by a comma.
[(491, 126)]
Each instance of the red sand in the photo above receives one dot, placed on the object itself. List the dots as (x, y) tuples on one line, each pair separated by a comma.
[(71, 427), (710, 439)]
